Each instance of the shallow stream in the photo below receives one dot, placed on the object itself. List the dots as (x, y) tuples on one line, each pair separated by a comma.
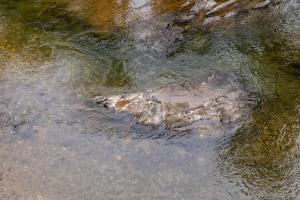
[(56, 55)]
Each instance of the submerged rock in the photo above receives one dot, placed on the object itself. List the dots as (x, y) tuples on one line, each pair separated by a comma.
[(262, 4), (221, 6), (230, 14), (211, 20), (207, 107), (142, 24), (203, 5), (209, 12)]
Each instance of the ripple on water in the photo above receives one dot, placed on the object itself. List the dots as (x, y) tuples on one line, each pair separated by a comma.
[(53, 59)]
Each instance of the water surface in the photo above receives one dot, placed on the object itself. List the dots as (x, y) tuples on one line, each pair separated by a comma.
[(55, 55)]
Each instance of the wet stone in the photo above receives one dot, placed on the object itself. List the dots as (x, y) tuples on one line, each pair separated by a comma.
[(262, 4), (230, 14), (203, 5), (180, 107), (211, 20), (221, 6)]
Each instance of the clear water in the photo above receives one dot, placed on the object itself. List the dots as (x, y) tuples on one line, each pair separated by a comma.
[(55, 55)]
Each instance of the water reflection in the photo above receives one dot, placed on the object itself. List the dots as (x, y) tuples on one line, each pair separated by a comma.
[(117, 76), (263, 158), (107, 15), (148, 32), (54, 56)]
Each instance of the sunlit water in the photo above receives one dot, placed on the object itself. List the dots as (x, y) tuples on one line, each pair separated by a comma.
[(56, 55)]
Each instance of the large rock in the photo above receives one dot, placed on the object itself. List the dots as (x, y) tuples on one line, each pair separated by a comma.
[(207, 107)]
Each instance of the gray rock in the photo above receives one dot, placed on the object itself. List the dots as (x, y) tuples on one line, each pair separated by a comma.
[(198, 7), (186, 6), (203, 5), (262, 5), (205, 107), (211, 20), (221, 6), (230, 14), (187, 18)]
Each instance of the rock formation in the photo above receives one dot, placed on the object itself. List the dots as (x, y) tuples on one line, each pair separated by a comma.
[(208, 107)]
